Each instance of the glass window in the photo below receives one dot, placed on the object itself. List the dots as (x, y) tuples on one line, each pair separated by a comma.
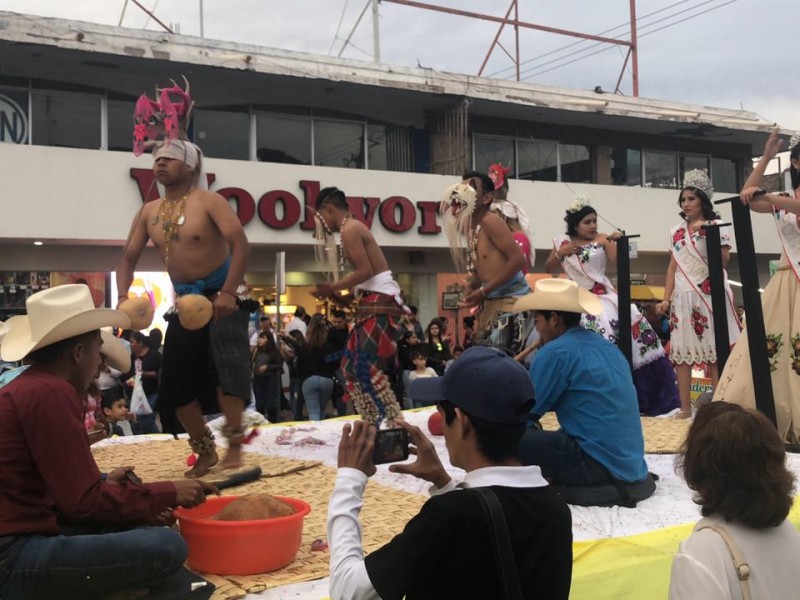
[(283, 139), (14, 121), (576, 163), (660, 169), (389, 148), (376, 147), (538, 160), (120, 124), (69, 119), (222, 133), (626, 166), (689, 162), (723, 175), (492, 150), (339, 144)]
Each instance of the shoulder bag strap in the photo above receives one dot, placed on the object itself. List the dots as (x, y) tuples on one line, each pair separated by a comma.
[(501, 543), (739, 562)]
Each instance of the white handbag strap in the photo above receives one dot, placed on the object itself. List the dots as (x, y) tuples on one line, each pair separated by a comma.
[(739, 562)]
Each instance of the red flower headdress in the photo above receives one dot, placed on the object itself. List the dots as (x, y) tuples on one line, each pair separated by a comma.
[(163, 120), (498, 174)]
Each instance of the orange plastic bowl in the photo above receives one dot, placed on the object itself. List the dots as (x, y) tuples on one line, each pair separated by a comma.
[(240, 547)]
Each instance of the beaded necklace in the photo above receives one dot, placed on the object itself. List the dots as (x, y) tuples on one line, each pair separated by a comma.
[(472, 250), (340, 245), (170, 220), (342, 259)]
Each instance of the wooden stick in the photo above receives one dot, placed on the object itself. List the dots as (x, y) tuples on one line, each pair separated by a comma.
[(521, 356)]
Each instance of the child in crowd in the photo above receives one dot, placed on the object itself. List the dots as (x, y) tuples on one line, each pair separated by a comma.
[(115, 412), (421, 370), (457, 351)]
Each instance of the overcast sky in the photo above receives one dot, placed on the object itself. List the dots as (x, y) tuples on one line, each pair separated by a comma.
[(739, 54)]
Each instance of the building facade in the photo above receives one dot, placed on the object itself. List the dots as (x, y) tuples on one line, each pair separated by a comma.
[(277, 126)]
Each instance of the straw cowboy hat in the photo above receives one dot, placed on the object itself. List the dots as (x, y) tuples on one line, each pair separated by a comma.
[(117, 355), (56, 314), (560, 295)]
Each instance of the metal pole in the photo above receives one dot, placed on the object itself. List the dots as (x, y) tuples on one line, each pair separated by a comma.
[(516, 35), (756, 331), (122, 14), (718, 299), (494, 43), (525, 24), (634, 50), (202, 28), (624, 341), (353, 30), (376, 32), (153, 16)]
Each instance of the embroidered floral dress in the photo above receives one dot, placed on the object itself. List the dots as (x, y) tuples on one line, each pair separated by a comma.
[(691, 317), (653, 375), (781, 304)]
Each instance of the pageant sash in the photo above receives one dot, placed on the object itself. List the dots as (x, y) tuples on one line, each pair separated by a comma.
[(694, 265), (587, 268), (789, 234)]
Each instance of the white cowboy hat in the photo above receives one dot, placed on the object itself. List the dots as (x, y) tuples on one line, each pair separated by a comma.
[(560, 295), (56, 314), (117, 355)]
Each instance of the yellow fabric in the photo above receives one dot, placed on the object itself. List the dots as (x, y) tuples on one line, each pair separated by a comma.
[(632, 567)]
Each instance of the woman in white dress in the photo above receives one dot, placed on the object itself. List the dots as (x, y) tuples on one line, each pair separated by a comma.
[(583, 254), (687, 291), (780, 300)]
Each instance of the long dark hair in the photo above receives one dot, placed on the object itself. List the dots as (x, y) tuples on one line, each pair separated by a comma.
[(708, 210), (794, 154), (573, 218), (317, 332), (271, 349), (439, 323)]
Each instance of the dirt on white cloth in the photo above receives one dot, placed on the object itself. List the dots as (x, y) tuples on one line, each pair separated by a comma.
[(670, 505)]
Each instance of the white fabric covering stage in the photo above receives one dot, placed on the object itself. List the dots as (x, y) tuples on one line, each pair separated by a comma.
[(670, 505)]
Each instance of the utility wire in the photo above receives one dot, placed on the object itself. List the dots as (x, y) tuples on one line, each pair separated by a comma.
[(596, 44), (338, 27), (558, 66), (607, 31)]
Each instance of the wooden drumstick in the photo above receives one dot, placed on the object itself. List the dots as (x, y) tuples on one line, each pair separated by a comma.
[(521, 356)]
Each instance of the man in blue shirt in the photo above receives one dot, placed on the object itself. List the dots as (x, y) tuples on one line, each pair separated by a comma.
[(597, 457)]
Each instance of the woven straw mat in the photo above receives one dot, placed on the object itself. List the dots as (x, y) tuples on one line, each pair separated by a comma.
[(661, 435), (385, 512)]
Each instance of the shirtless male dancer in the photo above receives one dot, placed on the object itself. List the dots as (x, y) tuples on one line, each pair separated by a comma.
[(370, 354), (205, 251), (494, 262)]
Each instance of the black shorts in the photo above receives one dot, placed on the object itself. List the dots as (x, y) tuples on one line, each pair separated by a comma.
[(196, 363)]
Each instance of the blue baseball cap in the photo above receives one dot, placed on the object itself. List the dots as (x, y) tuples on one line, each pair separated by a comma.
[(483, 382)]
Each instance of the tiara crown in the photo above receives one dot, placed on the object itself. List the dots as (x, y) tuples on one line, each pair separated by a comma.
[(698, 179), (794, 141), (579, 203)]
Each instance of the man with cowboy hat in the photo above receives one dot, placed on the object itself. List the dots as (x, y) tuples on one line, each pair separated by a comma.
[(63, 525), (597, 457)]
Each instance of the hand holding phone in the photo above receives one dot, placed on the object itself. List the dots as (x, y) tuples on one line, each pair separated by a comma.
[(427, 466), (355, 447), (391, 445)]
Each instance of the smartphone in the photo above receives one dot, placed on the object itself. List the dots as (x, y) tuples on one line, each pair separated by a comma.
[(391, 445)]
